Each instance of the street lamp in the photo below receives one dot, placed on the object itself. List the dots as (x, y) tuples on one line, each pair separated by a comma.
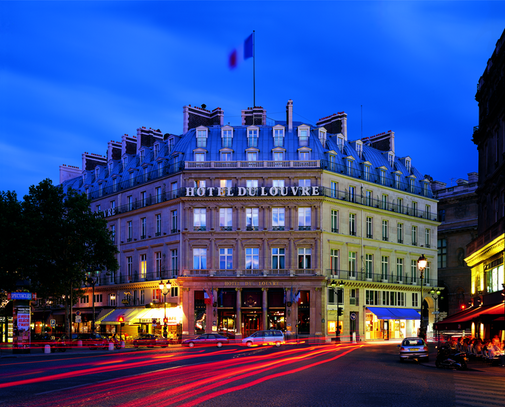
[(422, 262), (336, 287), (435, 295), (92, 279), (165, 288)]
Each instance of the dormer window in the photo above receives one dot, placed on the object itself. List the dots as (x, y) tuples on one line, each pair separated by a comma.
[(201, 136), (322, 136), (97, 172), (412, 183), (278, 132), (359, 149), (132, 178), (397, 180), (160, 168), (278, 156), (141, 156), (199, 157), (125, 162), (425, 188), (303, 135), (110, 168), (252, 137), (145, 174), (408, 165), (226, 156), (226, 136), (171, 143), (340, 143), (100, 189), (156, 150), (366, 171), (391, 159), (348, 165), (252, 156), (304, 154), (382, 176)]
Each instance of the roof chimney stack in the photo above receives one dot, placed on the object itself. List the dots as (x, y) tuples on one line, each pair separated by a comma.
[(289, 115)]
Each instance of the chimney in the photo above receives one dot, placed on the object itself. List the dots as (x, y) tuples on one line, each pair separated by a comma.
[(128, 145), (69, 172), (335, 124), (437, 185), (254, 116), (194, 117), (147, 137), (473, 177), (289, 115), (114, 150), (91, 160), (383, 141)]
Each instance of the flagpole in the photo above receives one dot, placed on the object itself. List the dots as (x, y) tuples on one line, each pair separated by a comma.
[(254, 69)]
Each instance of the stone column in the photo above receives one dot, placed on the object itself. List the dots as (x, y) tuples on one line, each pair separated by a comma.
[(265, 308), (238, 321), (188, 319)]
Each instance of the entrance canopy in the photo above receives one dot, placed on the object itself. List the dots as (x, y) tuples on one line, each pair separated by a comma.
[(395, 313), (127, 313), (146, 316), (464, 318)]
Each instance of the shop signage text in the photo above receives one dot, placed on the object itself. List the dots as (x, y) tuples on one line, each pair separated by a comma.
[(250, 283), (253, 191)]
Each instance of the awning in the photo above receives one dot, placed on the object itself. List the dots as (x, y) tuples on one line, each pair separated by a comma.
[(394, 313), (103, 314), (127, 313), (174, 316), (464, 318)]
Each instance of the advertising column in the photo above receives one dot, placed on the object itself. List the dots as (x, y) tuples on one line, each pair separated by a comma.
[(22, 320)]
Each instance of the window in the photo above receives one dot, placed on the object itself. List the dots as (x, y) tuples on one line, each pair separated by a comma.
[(352, 264), (392, 298), (369, 227), (225, 218), (160, 168), (278, 137), (129, 268), (112, 205), (304, 182), (114, 185), (352, 194), (304, 218), (145, 174), (399, 232), (397, 181), (385, 297), (334, 253), (278, 218), (201, 138), (369, 265), (412, 184), (132, 178), (348, 166), (304, 258), (199, 259), (399, 203), (156, 150), (158, 195), (227, 137), (442, 253), (200, 183), (427, 237), (143, 198), (174, 221), (413, 270), (278, 156), (130, 231), (399, 270), (225, 156), (142, 297), (427, 211), (415, 301), (322, 137), (143, 265), (334, 221), (98, 208), (278, 258), (252, 258), (199, 219), (252, 183), (158, 224), (385, 230), (226, 185), (408, 164), (369, 198), (304, 155), (113, 232), (384, 267), (303, 136), (384, 202), (366, 172), (414, 208), (252, 156), (157, 264), (278, 183), (174, 262), (359, 149), (251, 218), (112, 300), (174, 188), (427, 274), (143, 228), (334, 189), (340, 143), (226, 259), (352, 224), (142, 156), (252, 138), (391, 159), (414, 235), (382, 176), (199, 157)]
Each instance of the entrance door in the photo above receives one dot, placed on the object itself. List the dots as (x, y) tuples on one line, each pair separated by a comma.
[(252, 322)]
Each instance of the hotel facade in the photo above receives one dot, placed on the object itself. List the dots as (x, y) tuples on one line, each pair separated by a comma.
[(282, 225)]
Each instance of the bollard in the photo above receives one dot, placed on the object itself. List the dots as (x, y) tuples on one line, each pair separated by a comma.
[(79, 343), (122, 345), (47, 349), (354, 337), (111, 345)]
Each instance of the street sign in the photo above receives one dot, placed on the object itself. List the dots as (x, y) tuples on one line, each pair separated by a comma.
[(78, 319), (353, 316), (52, 322), (77, 313), (436, 312)]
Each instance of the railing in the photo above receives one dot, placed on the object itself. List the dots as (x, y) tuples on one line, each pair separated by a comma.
[(380, 278), (252, 164), (484, 238), (135, 277), (254, 272)]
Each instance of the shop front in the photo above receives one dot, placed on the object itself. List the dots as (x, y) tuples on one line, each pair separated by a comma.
[(152, 321), (391, 323)]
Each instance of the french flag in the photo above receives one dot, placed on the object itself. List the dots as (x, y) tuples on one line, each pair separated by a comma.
[(241, 53)]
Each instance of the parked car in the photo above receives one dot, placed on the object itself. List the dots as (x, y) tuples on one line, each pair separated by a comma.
[(39, 341), (150, 341), (269, 337), (414, 348), (207, 339), (89, 340)]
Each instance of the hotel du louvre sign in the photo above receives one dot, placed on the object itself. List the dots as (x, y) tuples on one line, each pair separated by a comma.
[(252, 191)]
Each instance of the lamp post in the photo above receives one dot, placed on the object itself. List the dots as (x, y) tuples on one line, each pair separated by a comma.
[(92, 279), (435, 295), (336, 287), (165, 288), (422, 262)]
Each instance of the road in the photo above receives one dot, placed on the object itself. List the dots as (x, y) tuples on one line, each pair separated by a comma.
[(292, 375)]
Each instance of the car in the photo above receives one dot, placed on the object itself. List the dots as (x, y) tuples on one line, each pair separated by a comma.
[(414, 348), (90, 340), (39, 341), (268, 337), (207, 339), (150, 341)]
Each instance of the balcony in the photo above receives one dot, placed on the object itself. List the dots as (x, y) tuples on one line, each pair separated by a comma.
[(379, 278), (255, 272), (143, 236), (385, 238), (304, 227), (334, 230), (275, 228), (251, 228), (369, 236), (157, 234), (252, 164), (200, 228), (122, 277), (225, 228)]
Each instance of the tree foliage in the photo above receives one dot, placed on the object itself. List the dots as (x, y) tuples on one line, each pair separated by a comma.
[(61, 240)]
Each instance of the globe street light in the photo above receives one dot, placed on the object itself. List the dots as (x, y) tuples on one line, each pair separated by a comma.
[(336, 287), (435, 295), (165, 288), (92, 279), (422, 262)]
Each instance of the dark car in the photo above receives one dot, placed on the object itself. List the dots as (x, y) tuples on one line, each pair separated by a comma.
[(39, 341), (207, 339), (413, 348), (92, 341), (150, 341)]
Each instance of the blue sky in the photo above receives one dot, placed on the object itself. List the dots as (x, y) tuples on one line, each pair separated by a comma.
[(75, 75)]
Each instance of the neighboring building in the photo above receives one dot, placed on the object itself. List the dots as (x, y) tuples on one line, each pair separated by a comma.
[(485, 253), (457, 212), (252, 224)]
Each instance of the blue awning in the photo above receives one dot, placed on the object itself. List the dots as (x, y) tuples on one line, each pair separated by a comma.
[(395, 313)]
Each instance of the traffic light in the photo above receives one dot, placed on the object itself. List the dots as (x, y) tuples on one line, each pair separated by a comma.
[(340, 312), (165, 320), (462, 307)]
